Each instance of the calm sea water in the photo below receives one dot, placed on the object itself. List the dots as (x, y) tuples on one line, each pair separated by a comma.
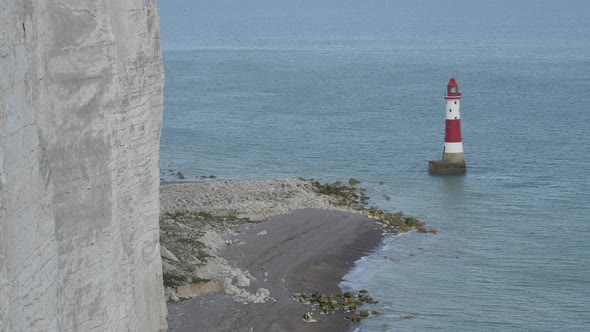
[(334, 89)]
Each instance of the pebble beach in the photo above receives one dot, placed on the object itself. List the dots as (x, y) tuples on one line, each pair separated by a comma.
[(283, 238)]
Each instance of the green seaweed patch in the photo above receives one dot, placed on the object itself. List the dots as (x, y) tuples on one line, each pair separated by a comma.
[(348, 302), (203, 256), (344, 195), (208, 218), (197, 280), (358, 200), (398, 222), (173, 280)]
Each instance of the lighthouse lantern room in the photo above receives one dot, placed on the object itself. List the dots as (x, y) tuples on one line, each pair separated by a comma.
[(453, 161)]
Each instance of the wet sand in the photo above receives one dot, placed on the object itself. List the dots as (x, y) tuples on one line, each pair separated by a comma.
[(302, 251)]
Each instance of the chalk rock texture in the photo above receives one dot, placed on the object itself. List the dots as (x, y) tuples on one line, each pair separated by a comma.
[(80, 116)]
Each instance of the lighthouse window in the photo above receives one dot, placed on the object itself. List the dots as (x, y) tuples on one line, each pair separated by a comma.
[(453, 89), (455, 103), (450, 110)]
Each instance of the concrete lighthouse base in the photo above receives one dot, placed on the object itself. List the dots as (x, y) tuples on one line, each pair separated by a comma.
[(443, 167)]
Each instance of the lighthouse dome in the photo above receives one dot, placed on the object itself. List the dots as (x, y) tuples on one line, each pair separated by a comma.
[(453, 89)]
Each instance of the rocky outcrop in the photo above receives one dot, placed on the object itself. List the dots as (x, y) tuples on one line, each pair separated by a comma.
[(80, 115)]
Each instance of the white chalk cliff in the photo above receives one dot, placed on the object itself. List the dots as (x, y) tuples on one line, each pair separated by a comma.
[(80, 115)]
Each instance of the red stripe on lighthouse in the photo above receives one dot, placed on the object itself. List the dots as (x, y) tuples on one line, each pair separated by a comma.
[(453, 131)]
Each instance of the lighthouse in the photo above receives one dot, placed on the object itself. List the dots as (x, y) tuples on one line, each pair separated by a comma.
[(453, 160)]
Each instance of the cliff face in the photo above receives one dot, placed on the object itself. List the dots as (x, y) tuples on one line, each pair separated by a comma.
[(80, 115)]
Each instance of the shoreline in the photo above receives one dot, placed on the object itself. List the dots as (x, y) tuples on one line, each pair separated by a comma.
[(258, 243), (303, 251)]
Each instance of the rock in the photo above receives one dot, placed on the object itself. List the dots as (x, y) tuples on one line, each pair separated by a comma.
[(353, 181), (232, 290), (226, 284), (364, 313), (308, 318), (170, 294), (249, 276), (263, 292), (164, 252), (241, 280), (354, 318)]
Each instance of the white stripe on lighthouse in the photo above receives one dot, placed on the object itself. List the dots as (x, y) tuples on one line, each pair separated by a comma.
[(454, 147), (453, 110)]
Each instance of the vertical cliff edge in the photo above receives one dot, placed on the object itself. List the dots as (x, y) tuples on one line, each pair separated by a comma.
[(80, 116)]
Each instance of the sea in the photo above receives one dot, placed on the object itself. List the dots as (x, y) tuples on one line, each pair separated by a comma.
[(334, 89)]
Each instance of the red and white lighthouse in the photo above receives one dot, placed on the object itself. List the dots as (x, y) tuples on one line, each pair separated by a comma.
[(453, 160)]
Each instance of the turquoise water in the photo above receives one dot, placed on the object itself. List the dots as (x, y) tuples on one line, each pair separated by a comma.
[(334, 89)]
